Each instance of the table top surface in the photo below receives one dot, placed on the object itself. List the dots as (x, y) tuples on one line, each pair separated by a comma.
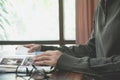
[(54, 76)]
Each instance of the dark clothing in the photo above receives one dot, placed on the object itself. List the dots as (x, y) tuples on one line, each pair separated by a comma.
[(101, 54)]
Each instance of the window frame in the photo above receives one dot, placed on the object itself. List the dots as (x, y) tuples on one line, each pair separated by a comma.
[(61, 40)]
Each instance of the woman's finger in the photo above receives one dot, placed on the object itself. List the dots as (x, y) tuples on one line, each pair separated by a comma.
[(41, 58), (44, 62), (43, 54)]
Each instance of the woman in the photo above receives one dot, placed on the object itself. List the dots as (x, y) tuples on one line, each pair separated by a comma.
[(99, 58)]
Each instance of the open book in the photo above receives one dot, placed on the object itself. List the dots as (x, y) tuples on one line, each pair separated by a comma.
[(9, 63), (15, 60)]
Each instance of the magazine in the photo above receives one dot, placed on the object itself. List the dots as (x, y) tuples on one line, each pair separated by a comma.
[(9, 63), (15, 60)]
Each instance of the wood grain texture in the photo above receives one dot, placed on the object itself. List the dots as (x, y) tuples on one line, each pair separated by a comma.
[(62, 75)]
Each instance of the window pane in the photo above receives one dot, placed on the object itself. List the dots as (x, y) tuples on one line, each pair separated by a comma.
[(69, 18), (31, 20)]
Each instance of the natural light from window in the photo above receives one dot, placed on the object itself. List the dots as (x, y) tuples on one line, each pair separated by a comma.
[(69, 19), (33, 20)]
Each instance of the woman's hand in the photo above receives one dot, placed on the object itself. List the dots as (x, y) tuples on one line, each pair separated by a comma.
[(33, 47), (47, 58)]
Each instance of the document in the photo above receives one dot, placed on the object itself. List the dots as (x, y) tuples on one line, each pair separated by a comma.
[(21, 50)]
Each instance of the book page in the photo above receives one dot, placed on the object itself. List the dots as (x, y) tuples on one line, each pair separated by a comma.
[(21, 50)]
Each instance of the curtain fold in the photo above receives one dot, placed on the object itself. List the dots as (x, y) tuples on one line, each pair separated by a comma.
[(84, 19)]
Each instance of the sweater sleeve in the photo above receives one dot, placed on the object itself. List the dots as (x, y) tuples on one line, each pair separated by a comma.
[(89, 65), (77, 50), (85, 60)]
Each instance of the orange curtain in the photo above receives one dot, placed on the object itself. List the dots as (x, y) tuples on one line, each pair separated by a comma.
[(84, 19)]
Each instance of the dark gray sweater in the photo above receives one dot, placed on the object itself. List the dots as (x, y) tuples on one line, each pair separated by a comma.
[(101, 54)]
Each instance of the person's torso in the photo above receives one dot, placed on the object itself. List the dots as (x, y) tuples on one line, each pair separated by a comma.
[(107, 29)]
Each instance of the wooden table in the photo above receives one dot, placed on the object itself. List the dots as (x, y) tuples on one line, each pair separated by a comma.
[(61, 75)]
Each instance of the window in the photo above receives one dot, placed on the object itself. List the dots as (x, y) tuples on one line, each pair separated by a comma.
[(36, 21), (32, 20), (69, 19)]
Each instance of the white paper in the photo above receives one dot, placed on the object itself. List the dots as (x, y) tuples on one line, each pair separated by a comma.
[(21, 50)]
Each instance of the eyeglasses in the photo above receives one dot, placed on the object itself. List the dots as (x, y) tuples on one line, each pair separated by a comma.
[(30, 72)]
